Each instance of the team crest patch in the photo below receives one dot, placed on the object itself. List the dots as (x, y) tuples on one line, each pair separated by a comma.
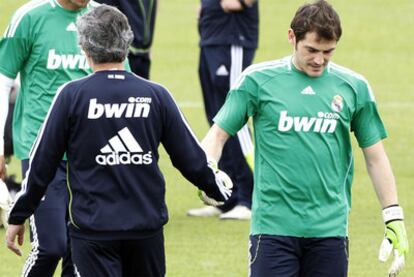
[(337, 103)]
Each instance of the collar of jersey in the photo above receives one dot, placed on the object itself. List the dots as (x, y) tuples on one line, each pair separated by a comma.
[(295, 69), (59, 6)]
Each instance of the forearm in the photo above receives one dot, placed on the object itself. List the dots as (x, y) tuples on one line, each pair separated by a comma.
[(236, 5), (380, 172), (250, 2), (214, 141)]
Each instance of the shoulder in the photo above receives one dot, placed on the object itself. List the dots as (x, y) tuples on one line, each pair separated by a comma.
[(160, 93), (157, 88), (29, 13), (262, 72), (357, 81), (270, 67)]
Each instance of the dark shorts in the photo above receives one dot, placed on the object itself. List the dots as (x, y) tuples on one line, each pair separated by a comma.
[(298, 257), (120, 258)]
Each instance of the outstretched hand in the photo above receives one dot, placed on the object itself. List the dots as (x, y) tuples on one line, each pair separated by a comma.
[(12, 232), (223, 182)]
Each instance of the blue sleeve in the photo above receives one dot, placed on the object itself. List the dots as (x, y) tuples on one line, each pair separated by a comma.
[(45, 157), (185, 151)]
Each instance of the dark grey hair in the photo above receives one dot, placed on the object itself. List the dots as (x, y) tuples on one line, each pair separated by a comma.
[(104, 34)]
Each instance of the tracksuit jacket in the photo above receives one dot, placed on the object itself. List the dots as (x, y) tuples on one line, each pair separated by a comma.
[(110, 124)]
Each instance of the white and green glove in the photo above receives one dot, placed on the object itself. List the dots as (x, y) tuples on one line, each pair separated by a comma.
[(223, 182), (395, 239)]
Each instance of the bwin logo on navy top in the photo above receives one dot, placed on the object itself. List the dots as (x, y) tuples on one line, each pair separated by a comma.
[(123, 149), (136, 107)]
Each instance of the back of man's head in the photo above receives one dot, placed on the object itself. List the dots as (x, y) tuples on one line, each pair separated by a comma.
[(319, 17), (104, 34)]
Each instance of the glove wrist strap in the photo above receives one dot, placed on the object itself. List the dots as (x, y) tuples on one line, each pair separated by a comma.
[(392, 213)]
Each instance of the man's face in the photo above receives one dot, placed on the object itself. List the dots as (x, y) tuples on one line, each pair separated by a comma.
[(312, 54)]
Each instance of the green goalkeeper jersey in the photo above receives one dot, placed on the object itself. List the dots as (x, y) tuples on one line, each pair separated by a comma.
[(40, 43), (303, 160)]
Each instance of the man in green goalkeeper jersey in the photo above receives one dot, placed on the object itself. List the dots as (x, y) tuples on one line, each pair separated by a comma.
[(41, 43), (303, 109)]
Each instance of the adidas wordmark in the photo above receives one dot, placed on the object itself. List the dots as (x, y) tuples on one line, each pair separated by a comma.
[(123, 149)]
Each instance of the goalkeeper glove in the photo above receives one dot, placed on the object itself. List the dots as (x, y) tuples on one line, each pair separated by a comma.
[(395, 239), (223, 182)]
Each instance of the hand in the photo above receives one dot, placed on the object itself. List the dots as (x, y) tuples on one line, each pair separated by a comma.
[(2, 168), (12, 232), (395, 239), (5, 203), (231, 5), (224, 184)]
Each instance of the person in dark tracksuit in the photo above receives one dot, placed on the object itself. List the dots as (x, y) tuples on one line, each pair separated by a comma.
[(30, 47), (141, 15), (228, 39), (110, 124)]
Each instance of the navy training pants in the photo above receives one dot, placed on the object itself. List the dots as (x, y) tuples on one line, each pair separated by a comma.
[(218, 67), (48, 230)]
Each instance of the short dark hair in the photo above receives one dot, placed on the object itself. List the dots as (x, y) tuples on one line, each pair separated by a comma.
[(104, 34), (319, 17)]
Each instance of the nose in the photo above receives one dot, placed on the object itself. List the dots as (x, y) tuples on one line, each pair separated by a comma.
[(319, 59)]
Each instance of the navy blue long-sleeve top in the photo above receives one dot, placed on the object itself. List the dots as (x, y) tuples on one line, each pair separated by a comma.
[(217, 27), (111, 124)]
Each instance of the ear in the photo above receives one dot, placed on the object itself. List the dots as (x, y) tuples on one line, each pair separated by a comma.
[(291, 37)]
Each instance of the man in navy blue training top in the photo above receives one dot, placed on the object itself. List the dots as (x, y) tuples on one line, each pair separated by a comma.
[(229, 31), (110, 125), (141, 15)]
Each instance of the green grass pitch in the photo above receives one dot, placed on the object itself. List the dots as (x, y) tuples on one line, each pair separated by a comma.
[(377, 42)]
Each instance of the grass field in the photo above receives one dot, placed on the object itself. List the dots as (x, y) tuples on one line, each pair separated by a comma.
[(377, 42)]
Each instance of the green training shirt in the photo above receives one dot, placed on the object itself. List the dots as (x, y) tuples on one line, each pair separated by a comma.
[(303, 160), (40, 43)]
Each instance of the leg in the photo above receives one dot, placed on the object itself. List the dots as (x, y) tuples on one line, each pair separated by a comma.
[(231, 59), (274, 256), (216, 69), (206, 86), (241, 58), (325, 257), (67, 264), (144, 257), (96, 258), (48, 231), (211, 108)]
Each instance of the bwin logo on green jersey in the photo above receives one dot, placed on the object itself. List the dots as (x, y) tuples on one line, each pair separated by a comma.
[(323, 123), (55, 61)]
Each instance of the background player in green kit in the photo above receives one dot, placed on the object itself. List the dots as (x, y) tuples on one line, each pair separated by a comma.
[(41, 43), (303, 108)]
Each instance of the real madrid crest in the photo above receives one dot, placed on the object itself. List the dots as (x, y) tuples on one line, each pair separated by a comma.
[(337, 103)]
